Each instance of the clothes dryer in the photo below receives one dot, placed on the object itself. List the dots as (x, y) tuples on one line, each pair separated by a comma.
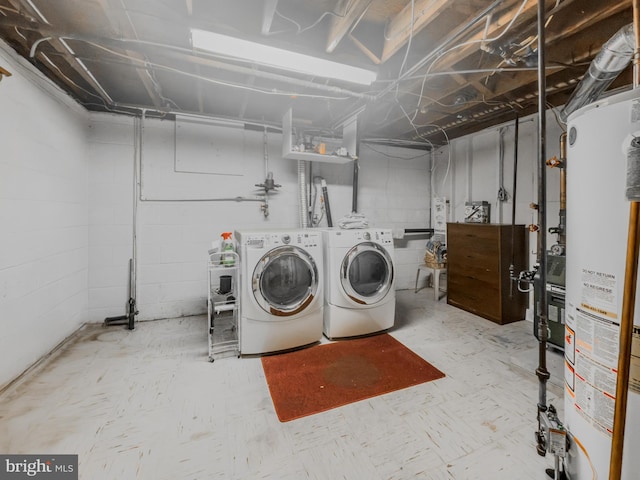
[(359, 289), (282, 285)]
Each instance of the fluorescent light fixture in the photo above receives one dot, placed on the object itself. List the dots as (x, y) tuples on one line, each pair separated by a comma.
[(278, 58)]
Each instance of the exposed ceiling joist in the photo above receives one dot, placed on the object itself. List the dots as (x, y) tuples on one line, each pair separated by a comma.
[(65, 51), (342, 25), (565, 50), (409, 22), (121, 23), (268, 12), (470, 45), (471, 62)]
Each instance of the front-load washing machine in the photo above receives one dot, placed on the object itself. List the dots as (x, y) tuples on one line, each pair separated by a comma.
[(359, 289), (282, 285)]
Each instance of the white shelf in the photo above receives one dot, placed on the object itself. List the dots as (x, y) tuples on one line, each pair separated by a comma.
[(349, 133), (222, 308)]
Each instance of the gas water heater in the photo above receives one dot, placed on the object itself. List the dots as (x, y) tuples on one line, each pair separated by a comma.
[(599, 139)]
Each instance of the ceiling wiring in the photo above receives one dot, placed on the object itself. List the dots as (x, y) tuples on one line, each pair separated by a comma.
[(212, 80), (454, 70), (8, 9), (553, 66), (463, 44), (406, 53), (394, 156), (446, 173), (455, 104), (20, 34), (71, 81), (482, 40), (300, 29), (554, 110)]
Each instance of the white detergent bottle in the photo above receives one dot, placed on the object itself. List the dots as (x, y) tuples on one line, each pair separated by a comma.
[(227, 250)]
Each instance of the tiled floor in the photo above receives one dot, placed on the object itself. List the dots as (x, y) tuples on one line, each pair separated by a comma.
[(148, 405)]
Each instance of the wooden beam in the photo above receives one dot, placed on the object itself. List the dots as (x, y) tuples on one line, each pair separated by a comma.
[(365, 50), (577, 48), (341, 26), (399, 31), (268, 12)]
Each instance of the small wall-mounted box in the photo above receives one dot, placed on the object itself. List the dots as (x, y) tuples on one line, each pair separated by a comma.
[(477, 212), (344, 151)]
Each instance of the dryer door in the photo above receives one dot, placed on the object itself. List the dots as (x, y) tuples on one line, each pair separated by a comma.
[(285, 281), (366, 273)]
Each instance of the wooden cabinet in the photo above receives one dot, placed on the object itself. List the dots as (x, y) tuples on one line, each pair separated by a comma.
[(478, 260)]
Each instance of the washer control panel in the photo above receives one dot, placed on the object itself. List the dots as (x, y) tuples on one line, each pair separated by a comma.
[(260, 240)]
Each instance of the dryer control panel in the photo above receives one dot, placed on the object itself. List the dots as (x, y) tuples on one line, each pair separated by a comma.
[(383, 237), (348, 238)]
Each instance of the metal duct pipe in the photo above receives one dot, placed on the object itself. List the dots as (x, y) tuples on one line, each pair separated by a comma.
[(303, 207), (612, 59)]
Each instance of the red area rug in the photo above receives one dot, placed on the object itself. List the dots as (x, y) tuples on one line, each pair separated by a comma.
[(322, 377)]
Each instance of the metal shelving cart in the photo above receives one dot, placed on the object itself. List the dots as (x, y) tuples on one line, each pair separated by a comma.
[(222, 304)]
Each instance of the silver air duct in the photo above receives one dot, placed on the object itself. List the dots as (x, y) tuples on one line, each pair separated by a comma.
[(612, 59)]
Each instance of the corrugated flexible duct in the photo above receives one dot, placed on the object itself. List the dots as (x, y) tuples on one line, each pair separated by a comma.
[(612, 59), (303, 202)]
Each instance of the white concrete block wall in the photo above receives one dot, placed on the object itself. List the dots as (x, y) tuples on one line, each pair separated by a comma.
[(43, 211), (473, 175), (178, 216), (393, 192), (110, 183), (396, 193)]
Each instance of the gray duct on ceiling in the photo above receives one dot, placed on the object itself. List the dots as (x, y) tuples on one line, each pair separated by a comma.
[(612, 59)]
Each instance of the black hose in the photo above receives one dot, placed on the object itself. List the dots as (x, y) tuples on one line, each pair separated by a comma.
[(327, 207)]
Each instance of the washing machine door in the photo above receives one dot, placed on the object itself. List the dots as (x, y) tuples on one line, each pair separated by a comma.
[(285, 281), (366, 273)]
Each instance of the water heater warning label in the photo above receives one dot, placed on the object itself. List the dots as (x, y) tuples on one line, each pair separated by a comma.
[(596, 355), (599, 293)]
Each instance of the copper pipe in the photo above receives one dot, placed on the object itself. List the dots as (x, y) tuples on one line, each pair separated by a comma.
[(626, 335), (628, 300)]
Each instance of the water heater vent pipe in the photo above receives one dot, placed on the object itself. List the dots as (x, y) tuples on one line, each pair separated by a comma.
[(612, 59)]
